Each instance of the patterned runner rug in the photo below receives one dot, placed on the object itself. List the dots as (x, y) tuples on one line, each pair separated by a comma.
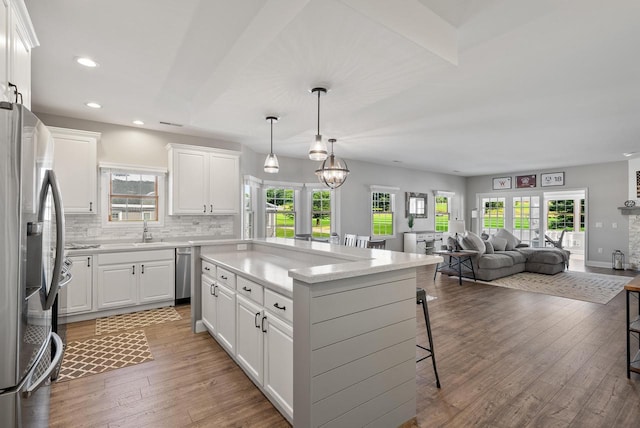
[(589, 287), (136, 320), (88, 357)]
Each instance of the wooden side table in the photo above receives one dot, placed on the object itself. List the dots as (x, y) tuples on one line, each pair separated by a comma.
[(633, 327), (457, 260)]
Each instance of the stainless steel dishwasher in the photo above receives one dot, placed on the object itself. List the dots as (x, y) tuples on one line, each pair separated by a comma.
[(183, 275)]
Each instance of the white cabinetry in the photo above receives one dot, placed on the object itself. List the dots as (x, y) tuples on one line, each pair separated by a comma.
[(75, 164), (219, 310), (250, 337), (422, 242), (75, 297), (17, 38), (203, 181), (135, 278), (278, 361)]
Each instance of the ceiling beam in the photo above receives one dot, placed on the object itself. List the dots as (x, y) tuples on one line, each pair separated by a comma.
[(414, 21)]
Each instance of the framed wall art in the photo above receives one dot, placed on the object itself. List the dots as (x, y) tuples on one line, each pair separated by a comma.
[(525, 181), (552, 179), (500, 183)]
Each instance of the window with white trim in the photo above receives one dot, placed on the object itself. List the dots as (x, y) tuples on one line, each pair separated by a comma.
[(320, 213), (280, 212), (443, 213), (382, 213)]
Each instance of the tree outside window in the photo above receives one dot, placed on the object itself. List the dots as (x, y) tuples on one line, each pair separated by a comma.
[(321, 214), (561, 214), (382, 213), (280, 212)]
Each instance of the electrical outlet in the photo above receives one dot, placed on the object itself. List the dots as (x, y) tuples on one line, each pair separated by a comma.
[(242, 247), (614, 225), (598, 224), (599, 250)]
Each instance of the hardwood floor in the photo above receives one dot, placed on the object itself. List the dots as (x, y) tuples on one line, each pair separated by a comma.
[(506, 358)]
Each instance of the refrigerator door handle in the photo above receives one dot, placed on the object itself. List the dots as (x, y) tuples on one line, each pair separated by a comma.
[(57, 359), (65, 280), (51, 181)]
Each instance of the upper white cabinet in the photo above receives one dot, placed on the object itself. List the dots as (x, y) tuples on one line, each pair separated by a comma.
[(75, 164), (17, 38), (203, 181)]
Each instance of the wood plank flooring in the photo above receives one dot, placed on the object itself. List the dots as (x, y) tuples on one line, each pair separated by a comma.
[(506, 358)]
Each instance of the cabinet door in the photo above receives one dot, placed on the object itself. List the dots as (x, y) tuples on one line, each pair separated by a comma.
[(208, 305), (249, 337), (4, 51), (278, 362), (224, 183), (189, 183), (76, 296), (157, 281), (74, 161), (117, 285), (20, 58), (226, 318)]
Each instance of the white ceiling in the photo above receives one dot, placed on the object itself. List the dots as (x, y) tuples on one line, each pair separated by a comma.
[(468, 87)]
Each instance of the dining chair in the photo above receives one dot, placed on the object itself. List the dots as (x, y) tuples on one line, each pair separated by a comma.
[(362, 241), (377, 243), (349, 240)]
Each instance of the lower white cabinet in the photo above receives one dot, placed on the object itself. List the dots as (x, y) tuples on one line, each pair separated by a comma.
[(75, 297), (249, 348), (135, 278), (278, 361), (219, 312)]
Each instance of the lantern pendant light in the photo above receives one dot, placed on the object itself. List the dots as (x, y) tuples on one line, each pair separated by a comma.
[(318, 149), (271, 163), (334, 171)]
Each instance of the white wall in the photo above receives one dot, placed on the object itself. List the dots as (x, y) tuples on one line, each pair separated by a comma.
[(606, 186)]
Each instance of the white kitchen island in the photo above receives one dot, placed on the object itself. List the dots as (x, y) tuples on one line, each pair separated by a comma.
[(326, 332)]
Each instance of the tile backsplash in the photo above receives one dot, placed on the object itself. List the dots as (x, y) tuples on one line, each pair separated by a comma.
[(83, 228)]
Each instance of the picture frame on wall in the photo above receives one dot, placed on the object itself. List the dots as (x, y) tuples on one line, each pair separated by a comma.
[(525, 181), (500, 183), (552, 179)]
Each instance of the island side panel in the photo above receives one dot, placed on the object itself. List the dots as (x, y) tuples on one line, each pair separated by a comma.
[(354, 350)]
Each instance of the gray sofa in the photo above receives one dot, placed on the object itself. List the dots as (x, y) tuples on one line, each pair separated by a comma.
[(490, 264)]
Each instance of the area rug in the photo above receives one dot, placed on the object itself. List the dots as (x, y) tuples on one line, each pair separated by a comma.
[(589, 287), (98, 355), (136, 320)]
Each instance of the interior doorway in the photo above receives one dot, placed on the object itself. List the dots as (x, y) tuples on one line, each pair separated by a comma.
[(566, 211)]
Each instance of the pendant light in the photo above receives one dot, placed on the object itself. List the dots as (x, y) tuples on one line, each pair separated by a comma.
[(333, 172), (271, 163), (318, 149)]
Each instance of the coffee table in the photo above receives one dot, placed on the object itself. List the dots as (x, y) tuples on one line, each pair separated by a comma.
[(457, 260)]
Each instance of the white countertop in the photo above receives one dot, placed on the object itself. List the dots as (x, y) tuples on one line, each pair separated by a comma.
[(277, 270)]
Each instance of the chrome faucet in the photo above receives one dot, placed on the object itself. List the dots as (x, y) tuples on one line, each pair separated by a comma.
[(146, 235)]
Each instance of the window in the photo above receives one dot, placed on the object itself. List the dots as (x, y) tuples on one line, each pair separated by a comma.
[(526, 219), (248, 212), (280, 213), (321, 213), (492, 214), (561, 214), (442, 214), (133, 197), (382, 208)]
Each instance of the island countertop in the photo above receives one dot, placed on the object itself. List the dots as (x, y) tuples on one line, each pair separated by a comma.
[(275, 262)]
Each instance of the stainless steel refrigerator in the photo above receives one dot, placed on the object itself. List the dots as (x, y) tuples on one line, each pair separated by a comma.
[(31, 267)]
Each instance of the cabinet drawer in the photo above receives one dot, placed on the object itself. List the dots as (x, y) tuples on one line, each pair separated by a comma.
[(425, 237), (208, 269), (250, 289), (278, 305), (226, 278)]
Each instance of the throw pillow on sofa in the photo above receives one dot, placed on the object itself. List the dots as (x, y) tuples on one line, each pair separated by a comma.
[(471, 241), (512, 241), (499, 244), (488, 247)]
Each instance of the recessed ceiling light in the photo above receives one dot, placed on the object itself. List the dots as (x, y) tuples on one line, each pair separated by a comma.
[(93, 105), (87, 62), (629, 154), (138, 122)]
